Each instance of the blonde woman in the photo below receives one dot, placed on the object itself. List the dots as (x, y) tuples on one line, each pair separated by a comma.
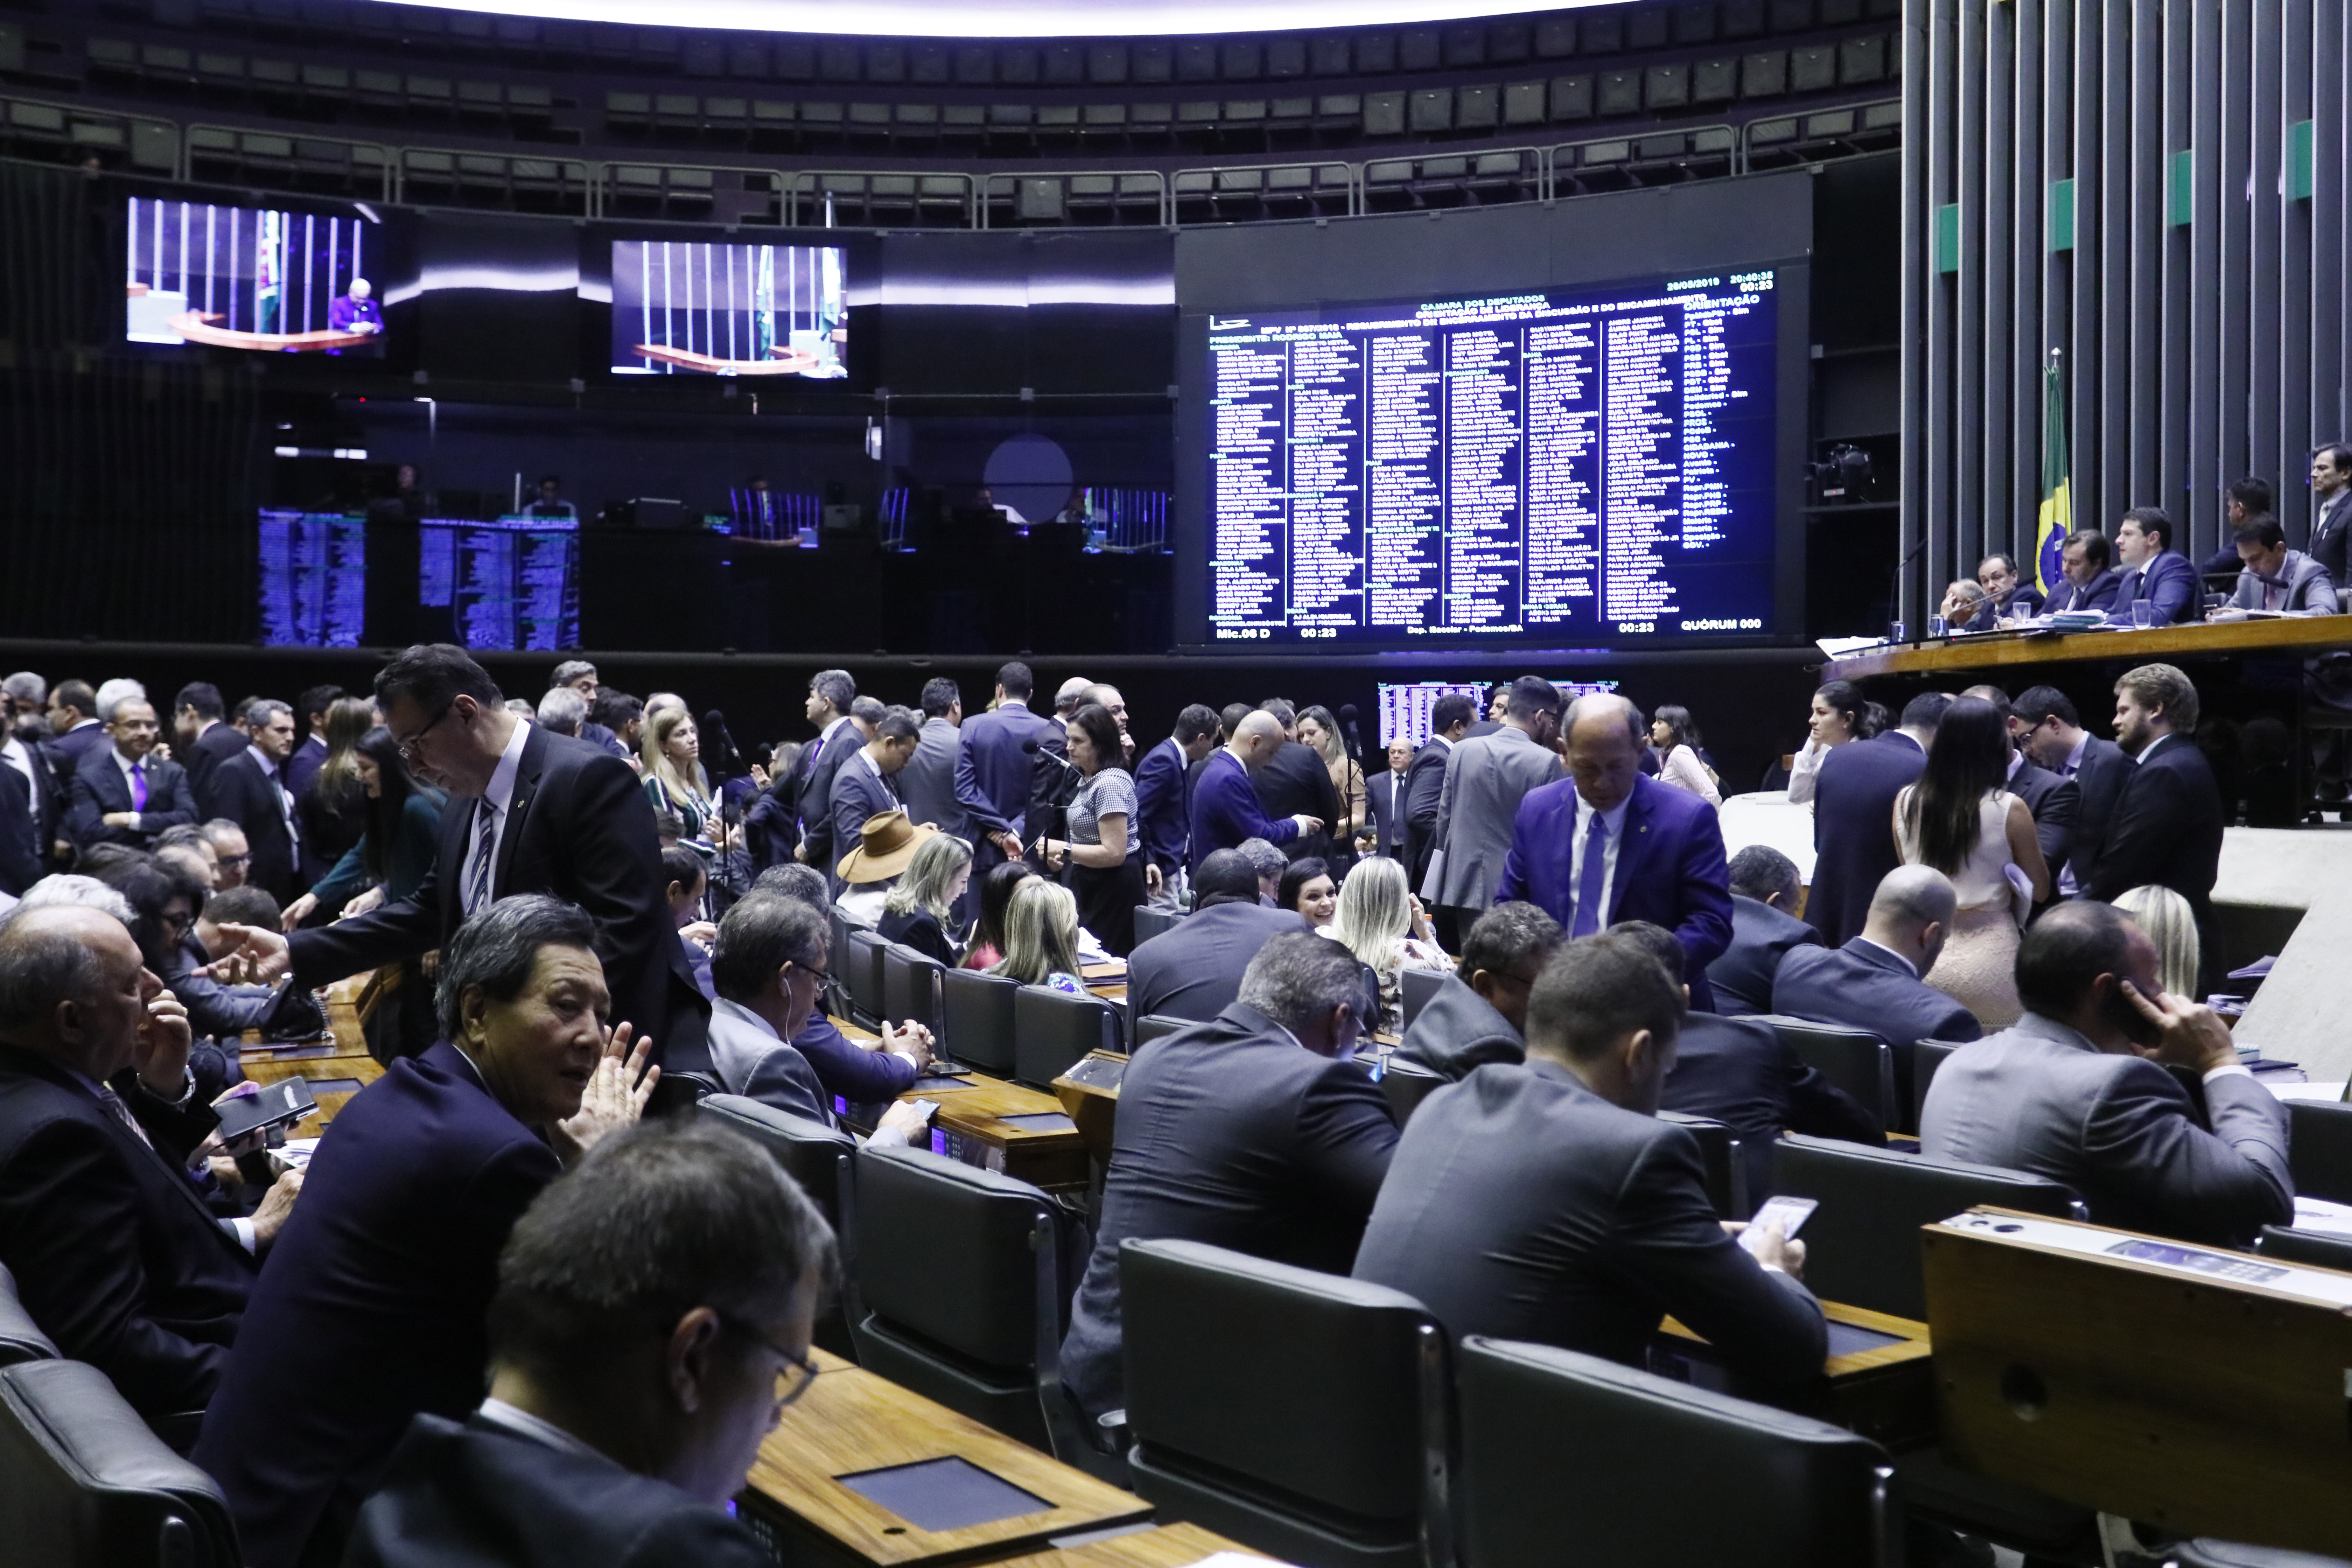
[(1380, 922), (1319, 730), (919, 911), (1041, 937), (2171, 926), (671, 750)]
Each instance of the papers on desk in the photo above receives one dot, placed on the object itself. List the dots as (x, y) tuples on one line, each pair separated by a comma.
[(1237, 1560), (1090, 948), (2259, 969), (2319, 1214), (2301, 1090), (297, 1152), (1838, 647)]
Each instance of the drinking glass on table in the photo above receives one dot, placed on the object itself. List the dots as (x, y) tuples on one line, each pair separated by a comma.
[(2143, 614)]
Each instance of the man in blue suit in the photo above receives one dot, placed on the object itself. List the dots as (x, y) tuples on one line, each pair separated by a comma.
[(1000, 783), (2090, 583), (830, 694), (121, 794), (1853, 818), (1225, 809), (1659, 849), (1875, 981), (863, 788), (1163, 807), (2153, 571), (1764, 888)]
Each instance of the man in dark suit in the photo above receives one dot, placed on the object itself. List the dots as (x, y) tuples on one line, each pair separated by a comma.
[(530, 812), (2051, 735), (1263, 1136), (635, 1368), (372, 1309), (2089, 582), (1480, 1013), (1873, 981), (48, 789), (2155, 571), (2166, 829), (1425, 782), (1607, 844), (310, 717), (862, 786), (830, 694), (123, 795), (1295, 782), (2078, 1091), (115, 1255), (1386, 793), (2004, 595), (1764, 888), (249, 789), (1002, 785), (74, 728), (2331, 513), (1225, 809), (1193, 969), (20, 835), (927, 783), (1546, 1202), (1853, 818), (201, 737), (1163, 796)]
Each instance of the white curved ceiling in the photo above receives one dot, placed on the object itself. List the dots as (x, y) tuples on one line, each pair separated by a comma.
[(1005, 18)]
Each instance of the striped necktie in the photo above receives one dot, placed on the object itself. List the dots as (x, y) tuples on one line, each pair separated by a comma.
[(477, 875), (121, 1112)]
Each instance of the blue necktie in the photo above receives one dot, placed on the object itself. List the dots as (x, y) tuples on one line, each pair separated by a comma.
[(1589, 884), (139, 785)]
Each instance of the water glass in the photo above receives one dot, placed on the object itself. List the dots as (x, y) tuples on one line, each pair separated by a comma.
[(2143, 614)]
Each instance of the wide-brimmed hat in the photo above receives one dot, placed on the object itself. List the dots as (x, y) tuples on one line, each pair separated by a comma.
[(886, 848)]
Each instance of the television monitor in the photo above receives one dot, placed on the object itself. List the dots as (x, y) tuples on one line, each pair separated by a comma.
[(1406, 705), (686, 307), (509, 584), (313, 579), (1561, 468), (263, 279)]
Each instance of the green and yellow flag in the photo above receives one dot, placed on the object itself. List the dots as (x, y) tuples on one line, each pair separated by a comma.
[(2057, 518)]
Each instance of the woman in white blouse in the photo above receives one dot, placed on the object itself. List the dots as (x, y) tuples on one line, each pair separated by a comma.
[(1675, 737), (1839, 715)]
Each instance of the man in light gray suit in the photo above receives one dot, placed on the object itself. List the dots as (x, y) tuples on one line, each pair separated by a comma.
[(927, 783), (768, 967), (2277, 578), (1485, 779), (2078, 1091)]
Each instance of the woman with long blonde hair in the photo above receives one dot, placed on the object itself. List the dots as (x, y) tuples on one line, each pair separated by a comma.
[(671, 750), (1041, 937), (1380, 922)]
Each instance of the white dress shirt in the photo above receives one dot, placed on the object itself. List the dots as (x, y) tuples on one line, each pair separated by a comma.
[(500, 796), (1615, 818), (1909, 967), (547, 1434), (13, 753)]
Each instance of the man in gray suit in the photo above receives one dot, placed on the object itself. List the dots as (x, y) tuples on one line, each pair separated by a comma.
[(2078, 1091), (2277, 578), (768, 967), (927, 783), (1485, 778)]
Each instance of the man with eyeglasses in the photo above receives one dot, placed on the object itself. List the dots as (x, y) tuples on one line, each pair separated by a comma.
[(530, 811), (232, 855), (2051, 734), (124, 795), (651, 1328), (1480, 1012)]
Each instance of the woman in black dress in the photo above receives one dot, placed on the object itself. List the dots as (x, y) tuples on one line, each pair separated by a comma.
[(1102, 860)]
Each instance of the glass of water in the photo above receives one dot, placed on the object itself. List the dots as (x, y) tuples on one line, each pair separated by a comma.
[(2143, 614)]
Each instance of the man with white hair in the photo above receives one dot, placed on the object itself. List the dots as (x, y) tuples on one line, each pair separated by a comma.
[(111, 693), (1877, 981), (1073, 692), (356, 311)]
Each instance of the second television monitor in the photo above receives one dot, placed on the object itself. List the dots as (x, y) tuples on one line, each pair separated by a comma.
[(691, 307)]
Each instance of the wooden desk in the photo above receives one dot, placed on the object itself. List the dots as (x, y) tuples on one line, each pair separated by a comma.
[(1991, 650), (998, 1126), (1165, 1546), (1089, 1093), (1880, 1389), (335, 1074), (852, 1423)]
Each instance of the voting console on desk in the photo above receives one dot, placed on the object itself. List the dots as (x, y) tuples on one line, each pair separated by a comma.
[(1089, 1093), (2205, 1391), (1878, 1382)]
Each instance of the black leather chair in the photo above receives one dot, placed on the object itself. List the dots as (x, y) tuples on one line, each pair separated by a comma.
[(963, 1281), (84, 1483), (1150, 1027), (1862, 1244), (1407, 1086), (1150, 922), (1565, 1457), (1053, 1029), (2319, 1148), (1301, 1413), (910, 985), (862, 975), (821, 1160), (1854, 1060), (1722, 1152), (1419, 986), (21, 1339), (976, 1013), (1927, 1056), (2319, 1248)]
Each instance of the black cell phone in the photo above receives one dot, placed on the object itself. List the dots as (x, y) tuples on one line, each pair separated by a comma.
[(280, 1104)]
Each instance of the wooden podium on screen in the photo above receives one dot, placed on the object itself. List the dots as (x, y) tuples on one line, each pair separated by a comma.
[(2205, 1391)]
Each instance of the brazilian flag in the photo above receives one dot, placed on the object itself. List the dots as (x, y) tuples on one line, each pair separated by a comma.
[(2057, 519)]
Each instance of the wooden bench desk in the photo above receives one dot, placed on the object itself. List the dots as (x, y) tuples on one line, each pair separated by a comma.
[(335, 1074), (852, 1426), (992, 1123), (1882, 1376), (1163, 1546)]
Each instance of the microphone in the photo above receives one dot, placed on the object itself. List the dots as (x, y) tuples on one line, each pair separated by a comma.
[(714, 723), (1037, 749), (1347, 721), (1894, 579)]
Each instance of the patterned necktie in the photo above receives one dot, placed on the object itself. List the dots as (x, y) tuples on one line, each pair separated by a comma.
[(477, 878), (121, 1112), (1589, 882), (139, 785)]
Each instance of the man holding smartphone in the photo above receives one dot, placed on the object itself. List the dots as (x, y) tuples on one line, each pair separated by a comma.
[(2078, 1091)]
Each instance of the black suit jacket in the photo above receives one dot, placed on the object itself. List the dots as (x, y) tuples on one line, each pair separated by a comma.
[(1295, 783), (238, 790), (1247, 1140), (99, 788), (1738, 1071), (21, 845), (76, 743), (370, 1307), (213, 748), (115, 1255), (1425, 791), (1761, 937), (2099, 593), (51, 794), (2055, 800), (815, 800), (480, 1496), (2167, 831), (1381, 789), (2331, 527), (577, 827), (1521, 1206), (1853, 829), (2100, 777), (1193, 969)]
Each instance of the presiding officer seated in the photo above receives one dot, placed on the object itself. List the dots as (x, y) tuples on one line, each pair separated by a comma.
[(1255, 1131), (649, 1304), (1193, 969), (1480, 1012), (1546, 1202), (2077, 1091)]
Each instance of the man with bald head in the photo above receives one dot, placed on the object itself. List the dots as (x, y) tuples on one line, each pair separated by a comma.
[(1225, 809), (1608, 844), (1876, 981), (115, 1255)]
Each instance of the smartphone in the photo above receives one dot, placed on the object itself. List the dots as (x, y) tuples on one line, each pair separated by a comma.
[(930, 1108), (1791, 1213), (280, 1104)]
